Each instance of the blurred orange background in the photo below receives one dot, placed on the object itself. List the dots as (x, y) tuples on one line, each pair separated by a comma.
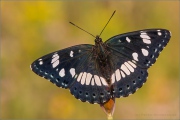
[(32, 29)]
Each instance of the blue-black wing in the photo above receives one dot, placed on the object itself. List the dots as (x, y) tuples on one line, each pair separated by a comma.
[(131, 55), (76, 69)]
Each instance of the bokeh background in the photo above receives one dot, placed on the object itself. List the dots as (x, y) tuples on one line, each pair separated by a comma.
[(31, 29)]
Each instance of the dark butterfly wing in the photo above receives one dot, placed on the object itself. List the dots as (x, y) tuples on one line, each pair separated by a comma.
[(74, 68), (132, 54)]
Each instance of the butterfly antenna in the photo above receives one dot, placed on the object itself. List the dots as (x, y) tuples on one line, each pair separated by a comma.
[(82, 29), (107, 23)]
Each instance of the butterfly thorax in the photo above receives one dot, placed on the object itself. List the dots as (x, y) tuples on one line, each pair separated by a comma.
[(101, 55), (100, 51)]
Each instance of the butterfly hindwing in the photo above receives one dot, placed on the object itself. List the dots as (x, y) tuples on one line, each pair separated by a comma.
[(91, 86), (132, 54), (74, 68), (127, 76)]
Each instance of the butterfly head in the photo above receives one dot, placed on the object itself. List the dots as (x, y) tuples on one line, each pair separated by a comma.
[(98, 40)]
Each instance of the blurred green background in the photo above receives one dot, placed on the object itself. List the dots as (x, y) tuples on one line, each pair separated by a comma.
[(32, 29)]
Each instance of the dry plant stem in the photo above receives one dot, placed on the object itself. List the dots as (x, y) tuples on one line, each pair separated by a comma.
[(108, 108), (109, 117)]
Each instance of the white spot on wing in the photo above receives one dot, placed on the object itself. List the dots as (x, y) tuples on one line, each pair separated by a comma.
[(144, 52), (118, 76), (159, 33), (112, 78), (135, 56), (55, 60), (55, 57), (144, 35), (40, 62), (97, 80), (129, 67), (142, 32), (75, 76), (125, 69), (103, 81), (72, 71), (123, 75), (147, 41), (83, 78), (40, 59), (56, 63), (88, 78), (132, 64), (155, 50), (92, 81), (128, 40), (79, 77), (51, 76), (62, 72), (71, 54)]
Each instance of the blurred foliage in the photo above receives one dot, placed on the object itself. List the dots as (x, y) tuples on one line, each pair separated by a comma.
[(35, 28)]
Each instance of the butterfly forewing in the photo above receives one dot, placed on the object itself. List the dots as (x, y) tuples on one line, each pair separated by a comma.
[(74, 68), (56, 66), (132, 53), (141, 46)]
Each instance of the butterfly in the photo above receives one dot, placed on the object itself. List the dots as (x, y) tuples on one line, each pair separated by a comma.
[(96, 73), (111, 69)]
